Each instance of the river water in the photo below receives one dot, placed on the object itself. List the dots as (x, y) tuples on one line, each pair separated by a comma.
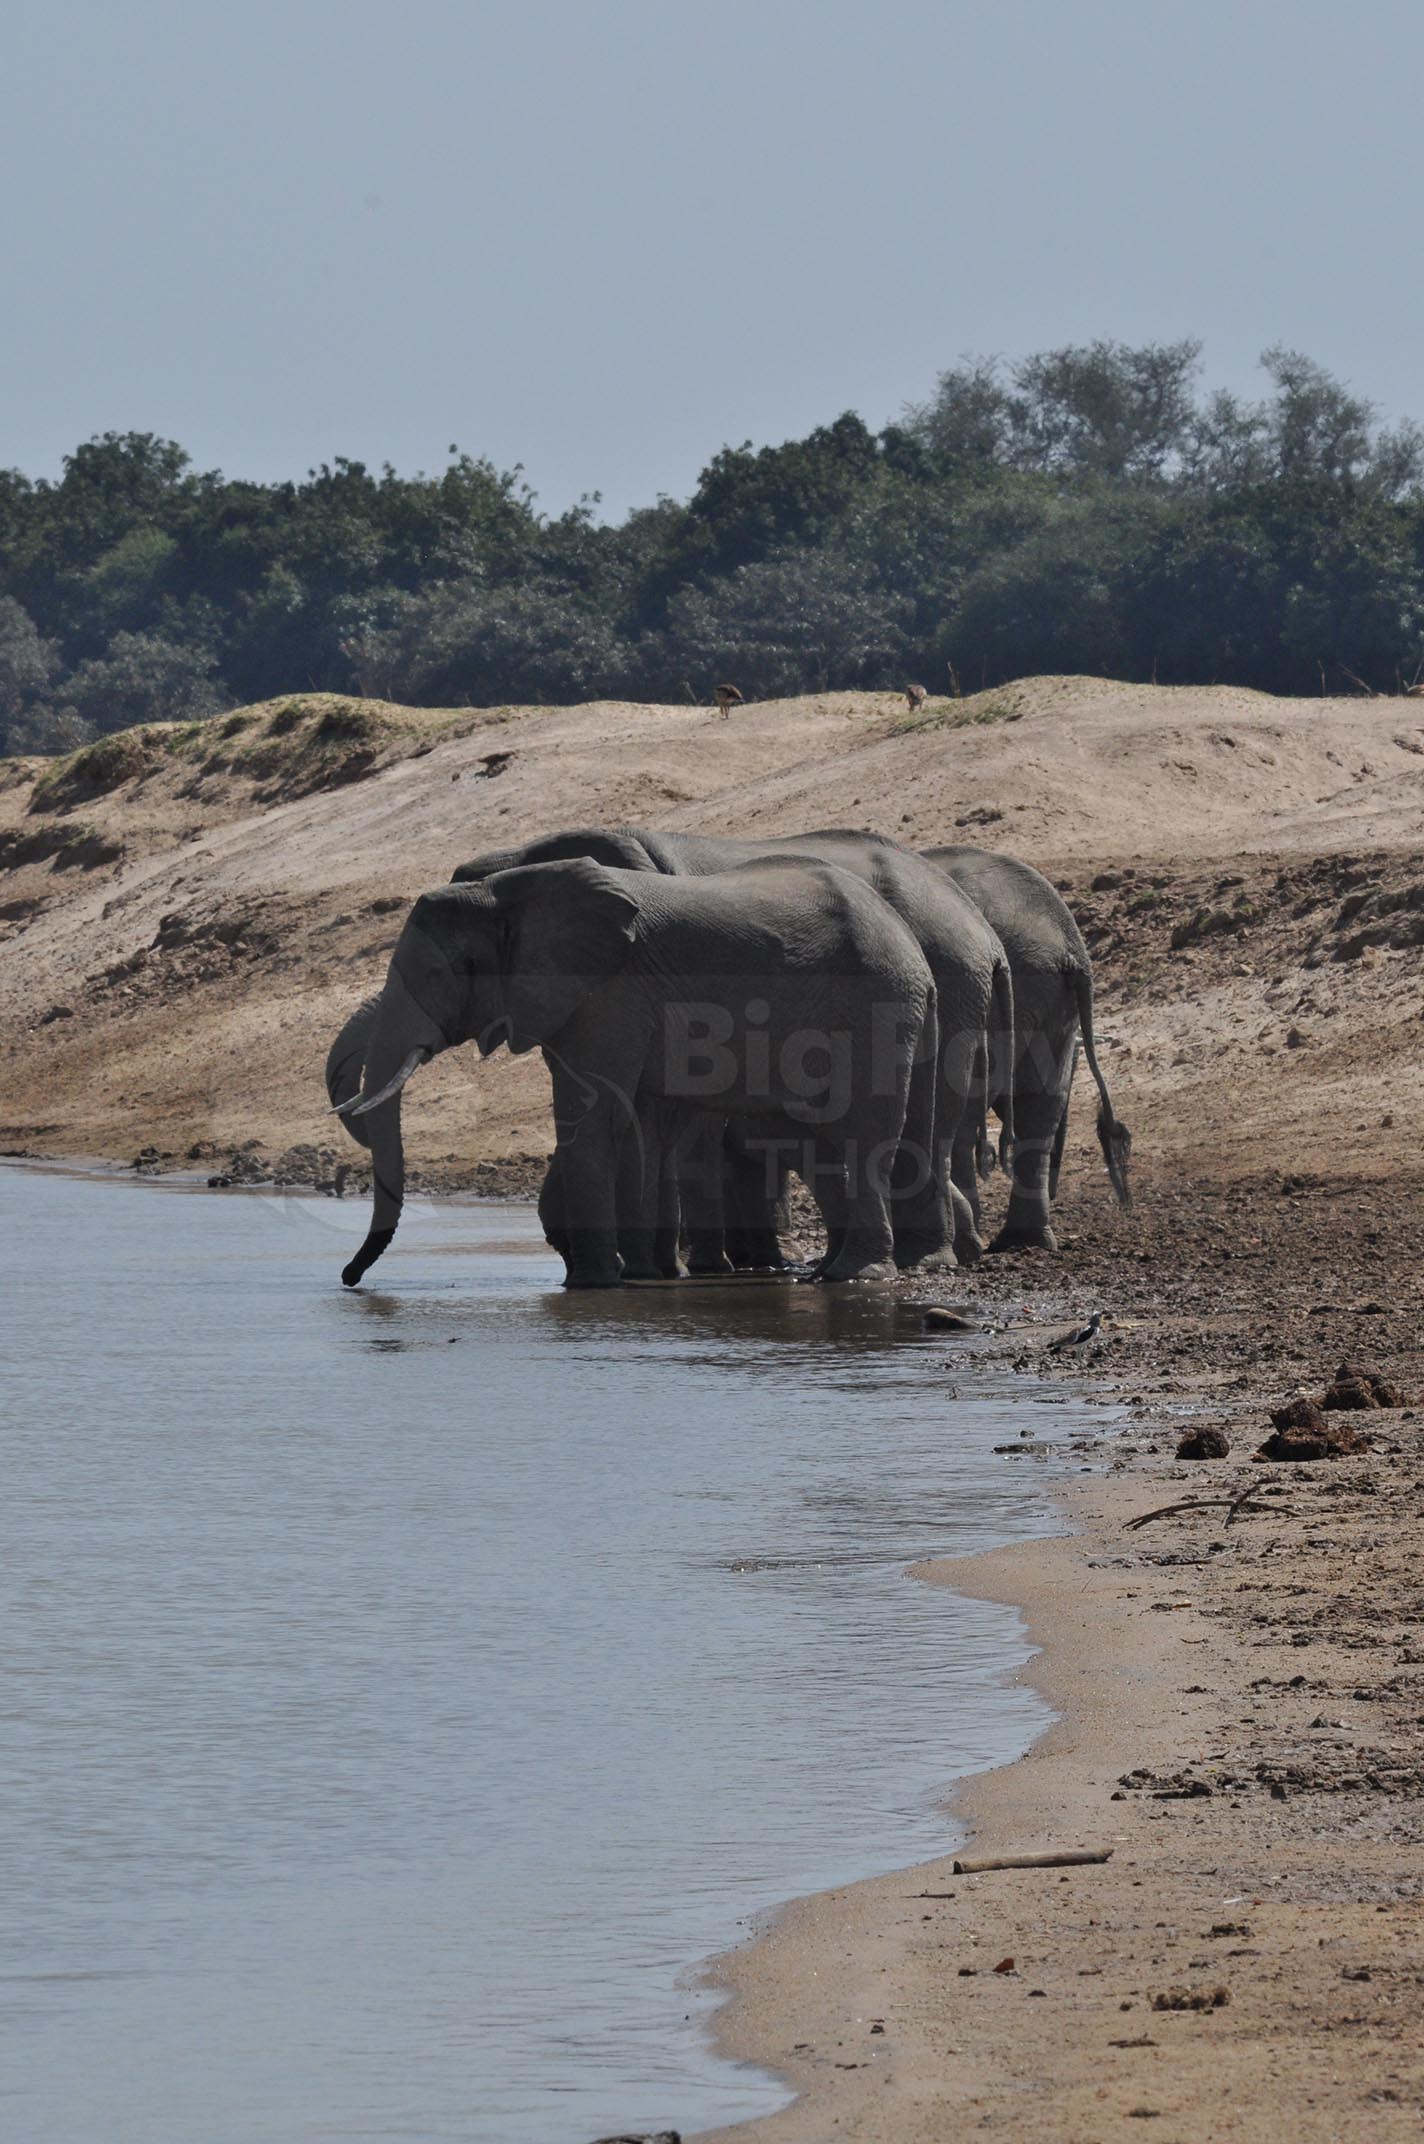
[(403, 1691)]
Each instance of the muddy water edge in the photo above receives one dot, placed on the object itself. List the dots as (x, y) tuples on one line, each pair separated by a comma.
[(409, 1689)]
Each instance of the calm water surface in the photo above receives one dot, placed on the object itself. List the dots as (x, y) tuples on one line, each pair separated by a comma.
[(404, 1690)]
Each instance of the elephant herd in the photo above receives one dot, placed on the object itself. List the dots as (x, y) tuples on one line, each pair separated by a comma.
[(717, 1015)]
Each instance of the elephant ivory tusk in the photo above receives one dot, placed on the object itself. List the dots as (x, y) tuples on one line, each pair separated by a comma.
[(359, 1103)]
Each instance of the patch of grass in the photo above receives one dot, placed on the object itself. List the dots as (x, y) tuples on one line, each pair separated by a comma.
[(94, 770), (73, 845), (177, 737), (349, 723), (306, 741), (948, 714)]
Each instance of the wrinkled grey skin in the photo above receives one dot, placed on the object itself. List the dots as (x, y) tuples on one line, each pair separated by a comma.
[(972, 979), (599, 968), (973, 984), (1053, 1006)]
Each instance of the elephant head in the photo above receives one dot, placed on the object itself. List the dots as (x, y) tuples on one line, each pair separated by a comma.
[(508, 959), (619, 846)]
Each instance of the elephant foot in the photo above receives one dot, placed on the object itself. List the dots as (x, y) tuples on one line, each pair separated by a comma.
[(699, 1268), (648, 1272), (968, 1250), (593, 1280), (1039, 1237), (874, 1269)]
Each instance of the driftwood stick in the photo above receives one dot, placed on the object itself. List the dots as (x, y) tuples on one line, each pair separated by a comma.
[(1069, 1860), (1243, 1503), (1169, 1511), (1230, 1504)]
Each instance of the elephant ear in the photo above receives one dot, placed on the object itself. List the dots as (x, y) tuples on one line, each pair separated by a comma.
[(570, 927)]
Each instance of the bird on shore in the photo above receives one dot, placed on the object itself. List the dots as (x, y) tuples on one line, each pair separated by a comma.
[(727, 697), (1078, 1336), (915, 698)]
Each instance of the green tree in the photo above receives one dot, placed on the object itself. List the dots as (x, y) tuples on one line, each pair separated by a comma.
[(143, 678), (28, 667), (799, 621), (471, 645)]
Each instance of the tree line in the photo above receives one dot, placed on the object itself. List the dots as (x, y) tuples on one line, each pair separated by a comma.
[(1090, 509)]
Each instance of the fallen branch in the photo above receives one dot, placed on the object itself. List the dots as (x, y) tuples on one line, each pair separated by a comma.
[(1230, 1504), (1244, 1504), (1034, 1861)]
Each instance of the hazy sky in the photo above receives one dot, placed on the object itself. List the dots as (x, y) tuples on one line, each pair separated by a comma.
[(606, 237)]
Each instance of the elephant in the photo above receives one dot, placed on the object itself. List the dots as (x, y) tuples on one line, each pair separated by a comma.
[(974, 997), (720, 995), (1053, 1006)]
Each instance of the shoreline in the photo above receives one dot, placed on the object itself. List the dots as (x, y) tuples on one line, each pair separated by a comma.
[(1239, 1720)]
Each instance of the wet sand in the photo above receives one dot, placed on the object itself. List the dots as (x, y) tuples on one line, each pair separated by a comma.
[(1240, 1720)]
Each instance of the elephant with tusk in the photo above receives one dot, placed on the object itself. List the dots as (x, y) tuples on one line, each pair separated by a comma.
[(974, 999), (784, 992)]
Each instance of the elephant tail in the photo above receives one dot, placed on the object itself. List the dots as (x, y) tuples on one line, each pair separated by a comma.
[(1000, 1060), (1113, 1135)]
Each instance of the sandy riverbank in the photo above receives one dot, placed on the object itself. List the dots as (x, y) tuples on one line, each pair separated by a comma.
[(184, 923), (1240, 1720)]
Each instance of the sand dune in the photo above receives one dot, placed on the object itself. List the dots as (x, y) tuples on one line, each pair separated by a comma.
[(284, 841)]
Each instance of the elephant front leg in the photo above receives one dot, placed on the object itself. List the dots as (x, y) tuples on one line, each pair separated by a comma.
[(648, 1214), (587, 1160), (700, 1193), (552, 1217), (754, 1185)]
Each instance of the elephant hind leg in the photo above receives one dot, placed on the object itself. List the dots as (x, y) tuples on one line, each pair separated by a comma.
[(1027, 1226), (921, 1205)]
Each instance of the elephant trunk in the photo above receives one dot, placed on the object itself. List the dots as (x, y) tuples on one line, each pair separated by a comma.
[(402, 1036), (388, 1194)]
